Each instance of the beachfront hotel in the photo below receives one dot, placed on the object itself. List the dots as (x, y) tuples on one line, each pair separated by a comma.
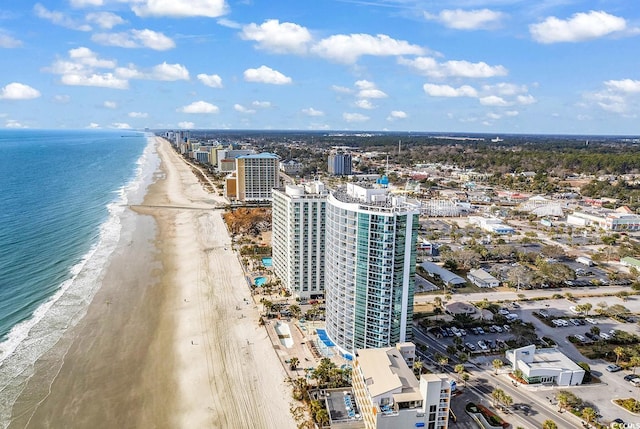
[(370, 260), (389, 396), (256, 176), (298, 238)]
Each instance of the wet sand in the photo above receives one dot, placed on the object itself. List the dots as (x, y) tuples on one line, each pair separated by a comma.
[(171, 339)]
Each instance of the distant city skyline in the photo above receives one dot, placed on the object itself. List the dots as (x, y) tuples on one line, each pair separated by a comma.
[(477, 66)]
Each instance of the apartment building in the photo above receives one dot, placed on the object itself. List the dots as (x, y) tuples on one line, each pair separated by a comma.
[(256, 176), (389, 396), (370, 259), (339, 164), (298, 238)]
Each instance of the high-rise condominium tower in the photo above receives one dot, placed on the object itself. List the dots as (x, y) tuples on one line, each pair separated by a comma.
[(298, 238), (370, 260)]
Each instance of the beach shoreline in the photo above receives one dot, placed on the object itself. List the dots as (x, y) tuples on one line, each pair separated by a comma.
[(171, 339)]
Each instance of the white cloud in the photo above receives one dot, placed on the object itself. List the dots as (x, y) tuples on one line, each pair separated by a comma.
[(240, 108), (61, 99), (229, 23), (210, 80), (85, 3), (526, 99), (312, 112), (624, 85), (341, 89), (467, 19), (368, 89), (121, 125), (93, 126), (135, 39), (282, 38), (110, 104), (264, 74), (87, 57), (59, 18), (347, 49), (365, 104), (169, 72), (18, 91), (354, 117), (261, 104), (138, 115), (180, 8), (578, 28), (505, 89), (449, 91), (103, 80), (493, 100), (7, 41), (12, 123), (199, 107), (185, 125), (430, 67), (511, 113), (396, 114), (106, 20), (492, 115)]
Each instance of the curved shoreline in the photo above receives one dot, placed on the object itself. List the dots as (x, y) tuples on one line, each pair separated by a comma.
[(162, 344)]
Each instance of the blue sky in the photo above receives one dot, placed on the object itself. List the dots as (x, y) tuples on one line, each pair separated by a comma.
[(494, 66)]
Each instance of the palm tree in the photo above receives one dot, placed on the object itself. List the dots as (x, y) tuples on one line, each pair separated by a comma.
[(442, 361), (295, 310), (417, 367), (459, 369), (497, 364), (507, 400), (549, 424), (293, 363), (589, 414), (619, 351), (465, 378), (497, 394), (634, 362)]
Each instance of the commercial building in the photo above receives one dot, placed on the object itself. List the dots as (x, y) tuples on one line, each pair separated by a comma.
[(545, 366), (481, 278), (370, 260), (256, 176), (610, 221), (493, 225), (389, 396), (298, 238), (339, 164)]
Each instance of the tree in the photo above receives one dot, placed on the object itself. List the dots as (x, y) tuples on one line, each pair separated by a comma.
[(589, 414), (619, 351), (459, 369), (497, 364), (417, 367), (549, 424), (295, 310), (595, 330), (634, 362), (293, 363), (507, 400), (497, 394)]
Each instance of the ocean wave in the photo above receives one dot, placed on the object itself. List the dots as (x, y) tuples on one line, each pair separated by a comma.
[(30, 339)]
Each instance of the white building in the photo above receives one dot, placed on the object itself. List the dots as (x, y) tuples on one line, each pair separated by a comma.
[(481, 278), (612, 221), (491, 224), (545, 366), (370, 267), (391, 397), (298, 238)]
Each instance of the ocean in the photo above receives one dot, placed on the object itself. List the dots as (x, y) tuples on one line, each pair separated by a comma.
[(62, 195)]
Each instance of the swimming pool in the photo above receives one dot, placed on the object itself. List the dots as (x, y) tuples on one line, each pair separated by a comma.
[(267, 262), (259, 281)]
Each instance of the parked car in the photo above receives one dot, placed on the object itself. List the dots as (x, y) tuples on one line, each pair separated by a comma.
[(503, 311), (580, 338), (463, 332), (492, 329), (506, 328), (591, 336), (574, 322), (474, 331), (482, 345), (630, 377), (592, 321), (480, 331), (498, 329), (470, 346), (613, 367), (449, 332), (635, 382), (605, 336)]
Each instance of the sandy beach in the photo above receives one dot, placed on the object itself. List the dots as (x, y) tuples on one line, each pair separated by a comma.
[(171, 340)]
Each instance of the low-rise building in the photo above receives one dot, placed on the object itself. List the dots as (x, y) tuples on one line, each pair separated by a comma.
[(545, 366), (390, 396), (481, 278)]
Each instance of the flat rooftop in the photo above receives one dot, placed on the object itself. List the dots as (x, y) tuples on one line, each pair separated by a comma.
[(545, 358)]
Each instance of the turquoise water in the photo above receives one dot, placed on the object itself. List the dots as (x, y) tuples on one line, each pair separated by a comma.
[(63, 193), (267, 262), (259, 281)]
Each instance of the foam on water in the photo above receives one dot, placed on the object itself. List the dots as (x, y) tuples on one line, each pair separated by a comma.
[(29, 340)]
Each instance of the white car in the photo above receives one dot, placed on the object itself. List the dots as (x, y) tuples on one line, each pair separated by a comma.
[(592, 321), (605, 336), (580, 338), (482, 345)]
